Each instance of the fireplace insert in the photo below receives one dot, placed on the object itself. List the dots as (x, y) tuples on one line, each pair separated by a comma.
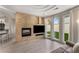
[(26, 32)]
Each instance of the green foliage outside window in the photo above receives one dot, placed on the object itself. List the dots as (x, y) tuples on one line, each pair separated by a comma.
[(49, 34), (66, 35), (57, 35)]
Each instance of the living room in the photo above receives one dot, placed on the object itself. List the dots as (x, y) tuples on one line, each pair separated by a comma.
[(39, 28)]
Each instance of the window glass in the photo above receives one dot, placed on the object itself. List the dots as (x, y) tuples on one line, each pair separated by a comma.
[(66, 27), (56, 27)]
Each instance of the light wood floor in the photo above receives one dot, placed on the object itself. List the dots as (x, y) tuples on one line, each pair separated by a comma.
[(33, 46)]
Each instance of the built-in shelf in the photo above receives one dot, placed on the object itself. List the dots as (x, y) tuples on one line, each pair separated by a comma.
[(39, 34)]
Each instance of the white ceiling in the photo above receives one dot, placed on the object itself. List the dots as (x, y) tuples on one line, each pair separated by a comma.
[(6, 12), (39, 10)]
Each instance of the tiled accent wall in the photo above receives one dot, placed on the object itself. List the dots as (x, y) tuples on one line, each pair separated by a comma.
[(24, 21)]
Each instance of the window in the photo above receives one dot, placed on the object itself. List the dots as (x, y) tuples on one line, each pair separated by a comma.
[(66, 27), (56, 27), (47, 27)]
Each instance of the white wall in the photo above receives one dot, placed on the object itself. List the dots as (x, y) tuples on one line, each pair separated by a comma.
[(9, 23), (74, 13)]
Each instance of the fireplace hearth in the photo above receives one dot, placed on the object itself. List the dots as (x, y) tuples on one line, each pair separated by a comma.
[(26, 32)]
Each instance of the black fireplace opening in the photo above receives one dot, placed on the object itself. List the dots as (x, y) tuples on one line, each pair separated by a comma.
[(26, 32)]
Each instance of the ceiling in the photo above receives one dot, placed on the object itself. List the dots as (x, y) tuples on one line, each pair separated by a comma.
[(39, 10)]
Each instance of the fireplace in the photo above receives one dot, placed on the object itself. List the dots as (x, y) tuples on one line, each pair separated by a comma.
[(26, 32)]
